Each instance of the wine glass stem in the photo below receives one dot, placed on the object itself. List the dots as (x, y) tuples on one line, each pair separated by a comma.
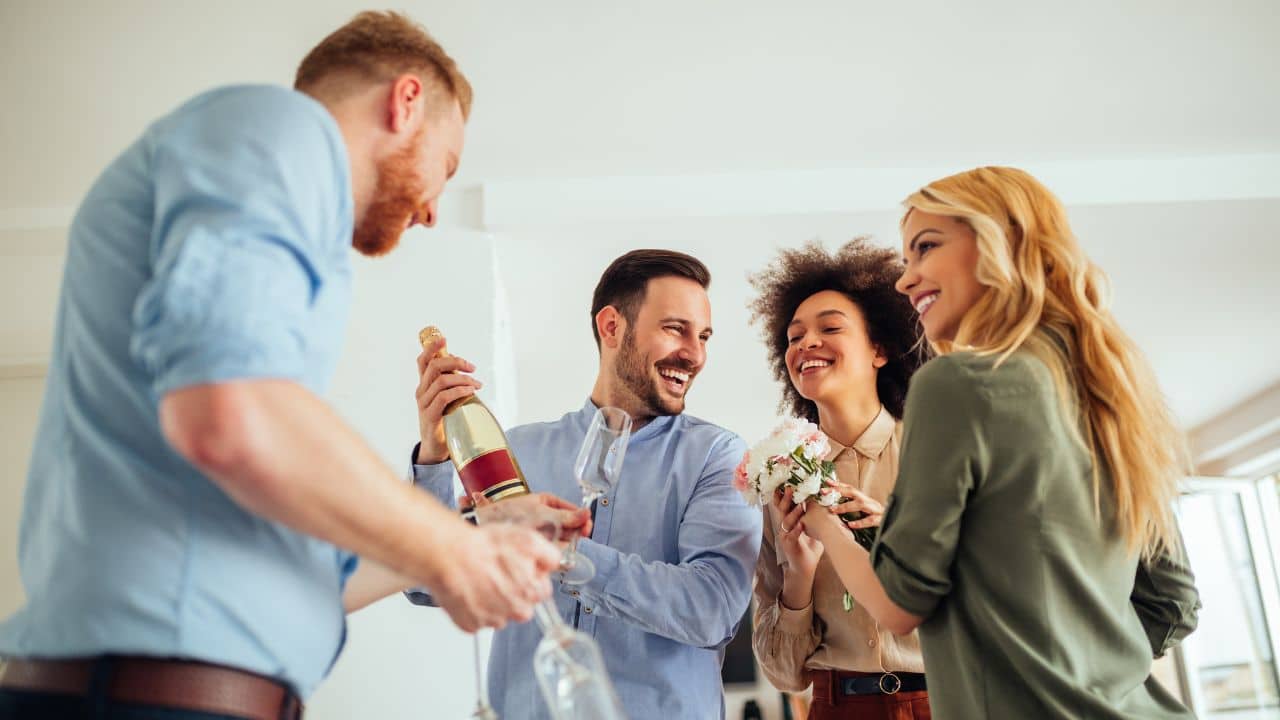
[(482, 693), (573, 544)]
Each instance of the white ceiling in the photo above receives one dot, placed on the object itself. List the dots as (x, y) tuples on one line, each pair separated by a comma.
[(584, 88)]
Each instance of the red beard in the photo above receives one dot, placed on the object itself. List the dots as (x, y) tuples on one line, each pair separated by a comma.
[(396, 198)]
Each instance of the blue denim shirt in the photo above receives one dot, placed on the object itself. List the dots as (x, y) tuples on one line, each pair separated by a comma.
[(216, 247), (675, 547)]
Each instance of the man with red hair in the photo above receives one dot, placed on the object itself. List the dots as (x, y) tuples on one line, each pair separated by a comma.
[(194, 509)]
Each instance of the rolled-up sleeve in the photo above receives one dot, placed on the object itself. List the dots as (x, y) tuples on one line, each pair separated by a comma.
[(245, 232), (1165, 598), (943, 458)]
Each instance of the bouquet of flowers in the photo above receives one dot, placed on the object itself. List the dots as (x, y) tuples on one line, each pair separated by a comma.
[(795, 454)]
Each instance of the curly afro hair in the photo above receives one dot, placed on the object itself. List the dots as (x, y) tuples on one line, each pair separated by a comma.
[(866, 275)]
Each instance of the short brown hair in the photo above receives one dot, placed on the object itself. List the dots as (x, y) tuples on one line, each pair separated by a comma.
[(378, 46), (625, 281), (862, 273)]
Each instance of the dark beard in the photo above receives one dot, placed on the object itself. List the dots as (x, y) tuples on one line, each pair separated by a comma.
[(396, 198), (632, 369)]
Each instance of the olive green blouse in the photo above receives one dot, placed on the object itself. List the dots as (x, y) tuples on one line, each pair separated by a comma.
[(1033, 607)]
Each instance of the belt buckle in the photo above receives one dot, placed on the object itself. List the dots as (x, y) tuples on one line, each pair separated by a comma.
[(890, 683)]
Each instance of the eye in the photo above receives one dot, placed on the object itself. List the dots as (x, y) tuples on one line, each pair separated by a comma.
[(675, 329), (924, 247), (832, 329), (794, 339)]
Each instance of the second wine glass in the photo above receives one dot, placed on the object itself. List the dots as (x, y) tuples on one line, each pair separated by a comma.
[(597, 468)]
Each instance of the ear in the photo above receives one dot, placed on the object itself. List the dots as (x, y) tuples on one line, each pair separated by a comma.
[(879, 360), (403, 102), (611, 326)]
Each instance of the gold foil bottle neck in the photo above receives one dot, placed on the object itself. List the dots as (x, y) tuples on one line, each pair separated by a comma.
[(429, 334)]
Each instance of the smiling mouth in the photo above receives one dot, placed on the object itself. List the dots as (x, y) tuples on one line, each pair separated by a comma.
[(926, 302), (809, 367), (677, 381)]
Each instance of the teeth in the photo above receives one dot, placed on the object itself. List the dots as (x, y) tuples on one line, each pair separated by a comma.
[(813, 363), (674, 374), (925, 302)]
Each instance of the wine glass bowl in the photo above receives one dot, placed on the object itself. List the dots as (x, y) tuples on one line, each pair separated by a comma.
[(597, 469)]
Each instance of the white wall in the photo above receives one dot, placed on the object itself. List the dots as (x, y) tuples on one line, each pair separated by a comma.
[(402, 660), (19, 408)]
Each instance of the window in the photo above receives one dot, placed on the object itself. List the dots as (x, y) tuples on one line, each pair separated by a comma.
[(1229, 663)]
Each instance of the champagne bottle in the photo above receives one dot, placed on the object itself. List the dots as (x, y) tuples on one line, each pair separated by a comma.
[(477, 445)]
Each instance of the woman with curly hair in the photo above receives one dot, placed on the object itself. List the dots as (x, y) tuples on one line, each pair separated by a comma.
[(844, 344), (1031, 535)]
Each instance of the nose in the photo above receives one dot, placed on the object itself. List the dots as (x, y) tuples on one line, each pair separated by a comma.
[(694, 352), (429, 219), (907, 280)]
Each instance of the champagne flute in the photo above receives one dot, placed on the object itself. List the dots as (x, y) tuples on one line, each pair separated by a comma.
[(597, 469), (544, 523), (567, 662), (483, 710)]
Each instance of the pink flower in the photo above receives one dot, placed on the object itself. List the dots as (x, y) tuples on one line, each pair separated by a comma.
[(740, 479)]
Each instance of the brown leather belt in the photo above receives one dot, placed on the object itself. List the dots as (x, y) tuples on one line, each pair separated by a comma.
[(180, 684)]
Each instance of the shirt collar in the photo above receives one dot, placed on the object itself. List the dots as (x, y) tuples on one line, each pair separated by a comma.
[(872, 442), (655, 426)]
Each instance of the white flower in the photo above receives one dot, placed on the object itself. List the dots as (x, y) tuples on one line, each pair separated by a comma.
[(828, 497), (808, 487), (780, 459), (776, 474), (816, 446)]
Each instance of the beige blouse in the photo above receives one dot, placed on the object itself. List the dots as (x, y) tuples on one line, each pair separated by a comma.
[(823, 636)]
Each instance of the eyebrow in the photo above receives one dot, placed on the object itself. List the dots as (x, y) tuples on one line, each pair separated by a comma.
[(912, 246), (822, 314)]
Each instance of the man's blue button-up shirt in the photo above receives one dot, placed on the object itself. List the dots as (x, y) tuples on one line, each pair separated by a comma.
[(674, 546), (216, 247)]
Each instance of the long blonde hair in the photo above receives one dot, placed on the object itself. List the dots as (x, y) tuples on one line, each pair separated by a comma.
[(1045, 296)]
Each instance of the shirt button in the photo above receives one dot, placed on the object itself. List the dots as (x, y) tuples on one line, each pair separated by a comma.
[(588, 610), (604, 502), (574, 593), (871, 642)]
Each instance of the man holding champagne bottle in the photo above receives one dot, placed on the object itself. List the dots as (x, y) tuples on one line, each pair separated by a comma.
[(193, 507), (673, 544)]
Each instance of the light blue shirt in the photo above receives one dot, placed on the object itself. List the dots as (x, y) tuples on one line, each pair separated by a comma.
[(216, 247), (675, 547)]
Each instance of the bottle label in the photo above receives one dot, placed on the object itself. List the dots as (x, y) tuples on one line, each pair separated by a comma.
[(493, 474)]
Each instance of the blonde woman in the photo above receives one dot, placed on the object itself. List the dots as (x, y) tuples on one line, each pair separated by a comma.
[(1030, 536), (844, 345)]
